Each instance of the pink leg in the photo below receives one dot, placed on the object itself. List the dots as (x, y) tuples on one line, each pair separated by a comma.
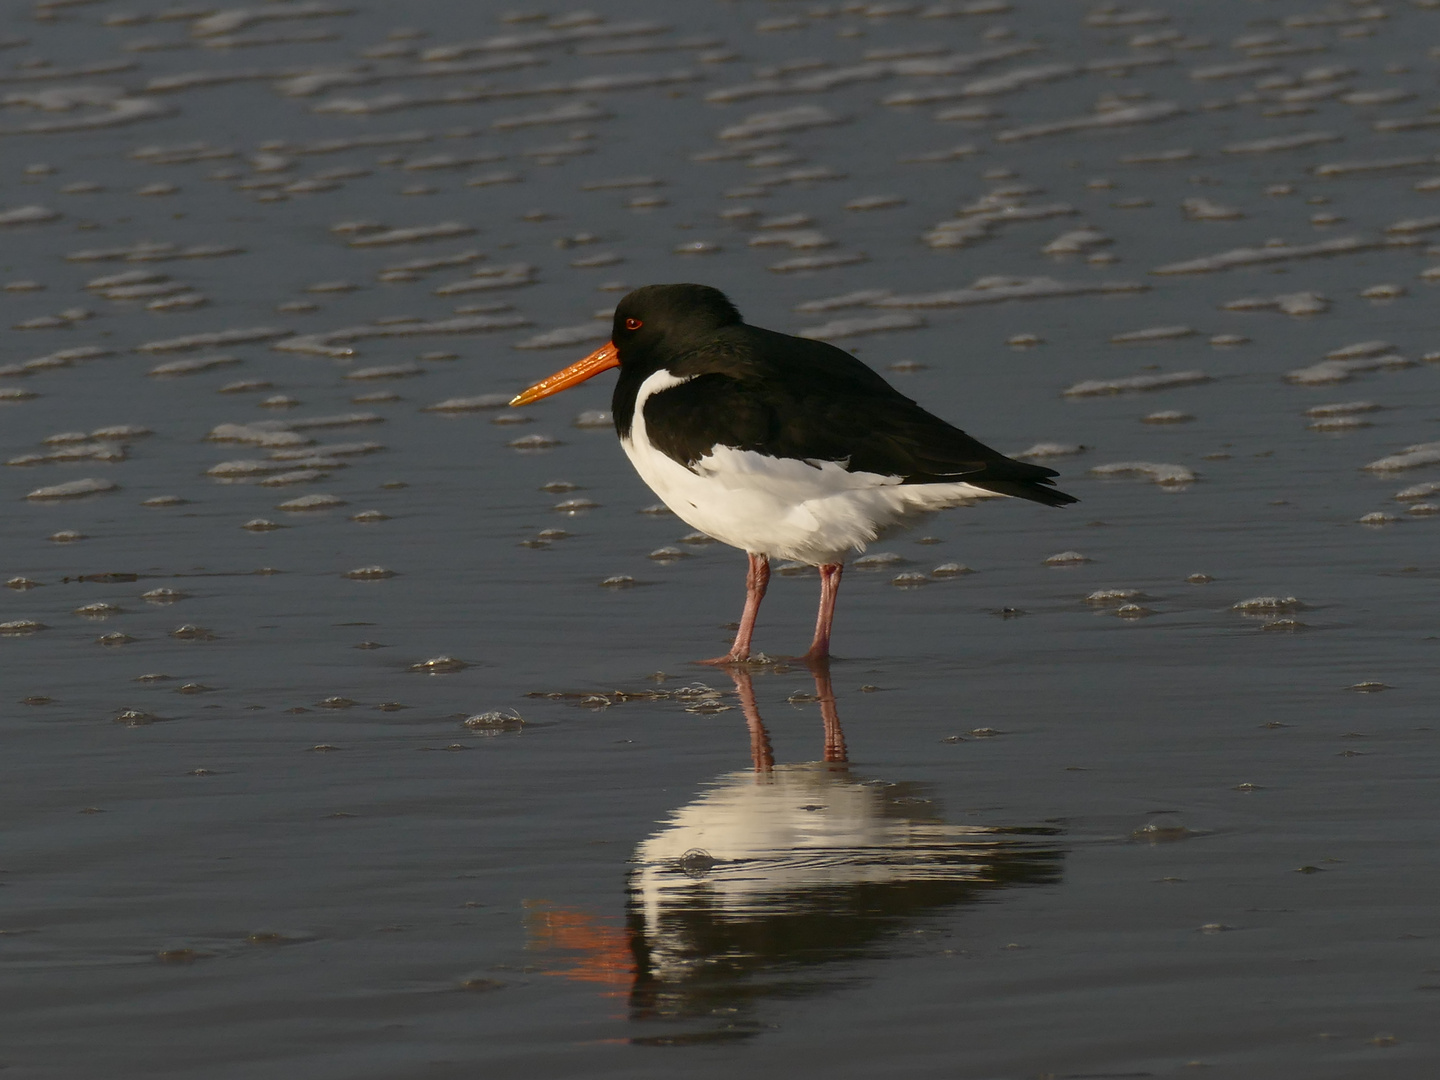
[(829, 587), (757, 580)]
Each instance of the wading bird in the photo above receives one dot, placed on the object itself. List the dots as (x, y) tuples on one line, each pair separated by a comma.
[(780, 446)]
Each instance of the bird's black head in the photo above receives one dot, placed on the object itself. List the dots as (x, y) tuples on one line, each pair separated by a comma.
[(653, 327), (657, 323)]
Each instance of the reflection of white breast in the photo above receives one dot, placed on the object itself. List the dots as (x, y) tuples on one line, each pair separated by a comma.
[(757, 843), (803, 862), (751, 815)]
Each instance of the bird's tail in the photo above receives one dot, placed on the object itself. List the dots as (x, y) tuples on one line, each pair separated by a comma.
[(1041, 490)]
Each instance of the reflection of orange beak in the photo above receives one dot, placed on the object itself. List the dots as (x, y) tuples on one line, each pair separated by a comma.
[(602, 359), (604, 954)]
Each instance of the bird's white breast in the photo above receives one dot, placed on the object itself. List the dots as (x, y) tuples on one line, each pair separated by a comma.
[(781, 507)]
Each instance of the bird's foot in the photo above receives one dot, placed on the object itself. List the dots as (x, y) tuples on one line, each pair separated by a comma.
[(814, 656), (724, 661), (750, 660)]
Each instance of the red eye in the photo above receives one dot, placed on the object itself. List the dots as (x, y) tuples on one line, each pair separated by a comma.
[(633, 324)]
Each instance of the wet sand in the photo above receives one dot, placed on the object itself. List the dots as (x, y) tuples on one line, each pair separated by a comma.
[(392, 783)]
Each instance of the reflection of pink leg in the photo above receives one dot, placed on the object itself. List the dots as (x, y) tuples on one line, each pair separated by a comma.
[(756, 582), (834, 736), (761, 754), (829, 587)]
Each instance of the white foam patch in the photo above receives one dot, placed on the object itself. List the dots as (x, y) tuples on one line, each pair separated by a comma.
[(818, 262), (1136, 383), (1167, 475), (859, 298), (1237, 70), (1198, 209), (445, 230), (573, 113), (839, 329), (294, 476), (1077, 242), (1353, 168), (1327, 372), (540, 39), (228, 22), (1296, 304), (1152, 334), (998, 290), (339, 343), (795, 239), (983, 218), (1412, 457), (1416, 492), (28, 215), (213, 338), (149, 251), (338, 420), (800, 118), (386, 371), (327, 450), (1051, 450), (86, 451), (74, 489), (1268, 605), (474, 403), (114, 113), (310, 83), (247, 468), (1411, 226), (1149, 113), (956, 63), (875, 202), (1160, 157), (1276, 143), (58, 359), (259, 433), (565, 336), (1017, 79), (818, 82), (311, 502), (1343, 408), (805, 174), (1270, 253), (145, 291), (490, 278), (174, 368), (1112, 597), (594, 419)]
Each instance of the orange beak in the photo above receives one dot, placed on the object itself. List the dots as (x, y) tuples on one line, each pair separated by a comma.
[(602, 359)]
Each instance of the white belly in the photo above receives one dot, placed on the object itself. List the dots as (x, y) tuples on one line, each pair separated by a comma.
[(781, 507)]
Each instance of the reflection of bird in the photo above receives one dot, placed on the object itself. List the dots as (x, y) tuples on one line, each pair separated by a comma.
[(784, 447), (775, 872)]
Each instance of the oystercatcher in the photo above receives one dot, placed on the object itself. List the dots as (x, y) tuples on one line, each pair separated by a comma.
[(781, 446)]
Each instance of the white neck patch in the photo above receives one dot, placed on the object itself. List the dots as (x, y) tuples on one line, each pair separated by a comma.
[(656, 383)]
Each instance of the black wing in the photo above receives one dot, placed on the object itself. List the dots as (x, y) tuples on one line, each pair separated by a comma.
[(754, 389)]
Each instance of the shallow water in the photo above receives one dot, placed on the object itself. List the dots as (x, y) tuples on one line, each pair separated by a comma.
[(1032, 835)]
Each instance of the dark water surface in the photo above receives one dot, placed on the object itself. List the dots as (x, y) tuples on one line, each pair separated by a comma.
[(1167, 811)]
